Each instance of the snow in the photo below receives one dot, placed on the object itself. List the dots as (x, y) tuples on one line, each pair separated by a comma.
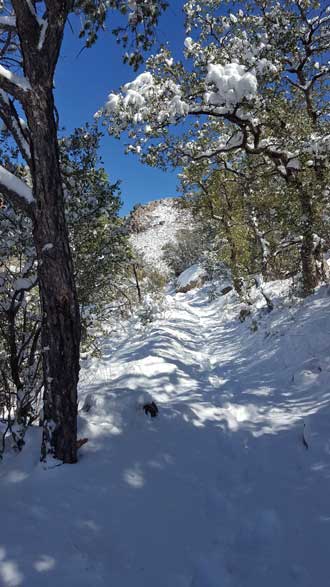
[(136, 93), (112, 103), (219, 490), (188, 43), (14, 184), (233, 84), (21, 82), (8, 21), (25, 283), (162, 223), (47, 247), (294, 164), (191, 275), (24, 144), (142, 82), (43, 23)]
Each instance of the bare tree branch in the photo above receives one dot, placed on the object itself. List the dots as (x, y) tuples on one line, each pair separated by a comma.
[(13, 123)]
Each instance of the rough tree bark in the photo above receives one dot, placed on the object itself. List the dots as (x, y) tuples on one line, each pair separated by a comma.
[(60, 310), (308, 259), (31, 34)]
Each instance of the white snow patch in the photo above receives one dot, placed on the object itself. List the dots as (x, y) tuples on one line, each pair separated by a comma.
[(190, 276), (19, 81), (24, 283), (219, 488), (232, 82), (8, 21), (163, 222), (13, 183)]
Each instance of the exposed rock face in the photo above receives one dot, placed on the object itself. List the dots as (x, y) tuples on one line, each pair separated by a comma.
[(145, 216), (155, 224)]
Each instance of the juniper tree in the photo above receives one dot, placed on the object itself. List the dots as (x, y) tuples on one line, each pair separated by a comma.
[(254, 80), (254, 216)]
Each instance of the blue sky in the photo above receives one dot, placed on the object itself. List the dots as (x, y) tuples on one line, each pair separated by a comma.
[(83, 81)]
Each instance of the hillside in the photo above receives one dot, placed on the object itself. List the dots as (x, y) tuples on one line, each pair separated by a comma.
[(227, 487), (154, 225)]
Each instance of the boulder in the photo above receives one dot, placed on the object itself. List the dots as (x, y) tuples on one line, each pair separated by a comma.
[(226, 290), (194, 276)]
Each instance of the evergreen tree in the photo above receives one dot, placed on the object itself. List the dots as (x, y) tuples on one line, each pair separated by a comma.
[(255, 82), (31, 34), (101, 254)]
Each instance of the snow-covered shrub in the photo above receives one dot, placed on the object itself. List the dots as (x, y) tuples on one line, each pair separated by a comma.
[(151, 309), (216, 270), (219, 275)]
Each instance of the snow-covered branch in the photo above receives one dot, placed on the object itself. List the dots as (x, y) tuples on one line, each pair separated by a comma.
[(34, 27), (243, 69), (15, 125), (8, 23), (25, 283), (41, 22), (16, 190), (12, 83)]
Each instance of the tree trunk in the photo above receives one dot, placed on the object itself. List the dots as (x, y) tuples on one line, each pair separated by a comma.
[(137, 283), (234, 266), (237, 278), (60, 310), (308, 259), (38, 45)]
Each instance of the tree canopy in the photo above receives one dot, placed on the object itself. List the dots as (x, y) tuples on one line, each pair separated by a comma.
[(254, 82)]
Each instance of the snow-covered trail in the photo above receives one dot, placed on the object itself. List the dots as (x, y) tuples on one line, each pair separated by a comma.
[(217, 491)]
